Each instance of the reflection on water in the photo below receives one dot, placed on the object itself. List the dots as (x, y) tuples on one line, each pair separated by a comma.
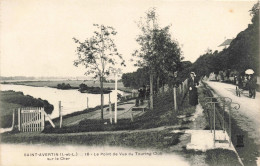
[(71, 100), (30, 155)]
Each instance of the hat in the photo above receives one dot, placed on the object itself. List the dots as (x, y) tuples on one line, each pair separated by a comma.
[(193, 73)]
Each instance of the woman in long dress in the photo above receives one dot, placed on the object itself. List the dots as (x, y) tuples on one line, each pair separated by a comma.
[(193, 83)]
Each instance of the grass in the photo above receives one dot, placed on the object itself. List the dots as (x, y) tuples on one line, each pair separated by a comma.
[(10, 100), (204, 92), (222, 157), (143, 139), (162, 115)]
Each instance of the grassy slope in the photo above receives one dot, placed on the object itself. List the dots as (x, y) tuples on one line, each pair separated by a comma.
[(162, 115), (10, 100)]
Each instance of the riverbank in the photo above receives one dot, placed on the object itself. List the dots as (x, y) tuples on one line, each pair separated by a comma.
[(154, 130), (11, 100)]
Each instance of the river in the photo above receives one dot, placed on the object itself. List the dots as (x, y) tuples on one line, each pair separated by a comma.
[(71, 100)]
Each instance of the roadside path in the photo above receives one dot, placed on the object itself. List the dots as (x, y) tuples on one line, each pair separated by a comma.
[(248, 116), (246, 121), (123, 112)]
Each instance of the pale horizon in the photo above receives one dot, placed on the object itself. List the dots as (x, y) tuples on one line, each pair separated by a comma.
[(36, 36)]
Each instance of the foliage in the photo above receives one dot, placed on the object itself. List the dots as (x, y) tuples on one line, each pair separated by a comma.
[(99, 55), (136, 79), (141, 76), (157, 50), (242, 54), (83, 88), (158, 54), (63, 86)]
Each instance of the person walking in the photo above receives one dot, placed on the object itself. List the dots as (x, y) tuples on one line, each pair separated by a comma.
[(239, 85), (193, 93), (252, 86)]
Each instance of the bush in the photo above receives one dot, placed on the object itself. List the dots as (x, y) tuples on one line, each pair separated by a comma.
[(63, 86)]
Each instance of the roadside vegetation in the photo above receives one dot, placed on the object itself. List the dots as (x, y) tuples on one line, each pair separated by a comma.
[(162, 115), (223, 157)]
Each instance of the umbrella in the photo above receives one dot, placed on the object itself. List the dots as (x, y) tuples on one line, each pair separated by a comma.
[(249, 71)]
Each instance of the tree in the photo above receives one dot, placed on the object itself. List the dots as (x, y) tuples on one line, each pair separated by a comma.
[(146, 41), (98, 54), (157, 50), (242, 54)]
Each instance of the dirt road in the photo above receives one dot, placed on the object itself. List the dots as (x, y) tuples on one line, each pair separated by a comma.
[(246, 121)]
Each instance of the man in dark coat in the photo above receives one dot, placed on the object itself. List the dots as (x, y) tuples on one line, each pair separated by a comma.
[(252, 86), (193, 83)]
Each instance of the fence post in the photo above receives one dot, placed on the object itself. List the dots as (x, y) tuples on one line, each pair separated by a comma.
[(60, 114), (214, 125), (229, 119), (116, 98), (224, 102), (132, 116), (42, 119), (175, 98), (110, 110), (19, 119), (13, 119), (151, 91), (87, 102)]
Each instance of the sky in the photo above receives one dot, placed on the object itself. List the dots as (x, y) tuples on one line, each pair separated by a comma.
[(36, 35)]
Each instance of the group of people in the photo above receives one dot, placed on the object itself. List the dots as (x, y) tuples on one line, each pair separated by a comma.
[(193, 83), (143, 93), (246, 82)]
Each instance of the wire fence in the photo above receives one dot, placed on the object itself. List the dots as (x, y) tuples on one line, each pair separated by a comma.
[(171, 97)]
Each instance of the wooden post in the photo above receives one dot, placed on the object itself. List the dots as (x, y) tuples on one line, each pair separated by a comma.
[(210, 119), (42, 119), (13, 119), (87, 103), (229, 119), (19, 119), (224, 115), (110, 110), (132, 116), (60, 114), (151, 91), (214, 125), (116, 99), (175, 99)]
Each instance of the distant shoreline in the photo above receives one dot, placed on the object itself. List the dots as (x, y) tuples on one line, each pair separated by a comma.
[(73, 83)]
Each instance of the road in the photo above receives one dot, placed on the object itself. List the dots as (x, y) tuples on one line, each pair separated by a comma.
[(247, 120)]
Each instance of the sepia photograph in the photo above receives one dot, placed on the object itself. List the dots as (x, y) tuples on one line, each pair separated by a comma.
[(129, 82)]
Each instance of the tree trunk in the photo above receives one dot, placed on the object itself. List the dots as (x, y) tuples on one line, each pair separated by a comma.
[(151, 91), (158, 85), (102, 96), (163, 87)]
